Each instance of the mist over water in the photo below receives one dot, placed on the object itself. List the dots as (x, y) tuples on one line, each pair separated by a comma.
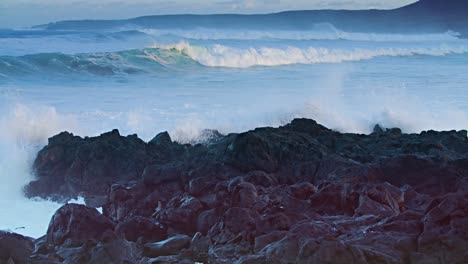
[(23, 131), (183, 81)]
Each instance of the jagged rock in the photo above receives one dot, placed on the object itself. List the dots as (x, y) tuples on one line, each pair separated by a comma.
[(300, 193), (445, 234), (180, 214), (15, 248), (261, 178), (117, 251), (283, 251), (426, 175), (300, 151), (69, 165), (161, 139), (243, 194), (75, 224), (263, 240), (228, 253), (336, 168), (198, 250), (108, 251), (252, 152), (138, 227), (206, 220), (334, 198), (157, 174), (303, 190), (271, 223), (95, 200), (138, 200), (308, 126), (237, 224), (200, 186), (377, 129)]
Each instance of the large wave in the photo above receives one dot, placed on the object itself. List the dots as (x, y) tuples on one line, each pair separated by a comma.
[(184, 56), (27, 42), (225, 56), (101, 64)]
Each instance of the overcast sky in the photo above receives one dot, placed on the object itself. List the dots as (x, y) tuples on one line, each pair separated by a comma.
[(21, 13)]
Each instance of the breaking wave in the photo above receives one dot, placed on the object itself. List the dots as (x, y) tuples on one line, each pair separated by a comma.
[(225, 56), (177, 57)]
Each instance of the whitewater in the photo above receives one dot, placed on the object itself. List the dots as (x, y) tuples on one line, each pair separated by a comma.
[(146, 81)]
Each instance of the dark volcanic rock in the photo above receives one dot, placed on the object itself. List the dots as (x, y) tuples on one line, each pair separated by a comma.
[(135, 200), (114, 251), (75, 224), (69, 165), (138, 227), (237, 224), (300, 151), (300, 193), (15, 248), (170, 246), (180, 214), (445, 234)]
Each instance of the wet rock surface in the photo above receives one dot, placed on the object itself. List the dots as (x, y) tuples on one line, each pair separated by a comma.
[(300, 193), (15, 248), (74, 224)]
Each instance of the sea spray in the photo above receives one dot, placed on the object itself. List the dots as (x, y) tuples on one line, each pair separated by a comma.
[(23, 131), (233, 57)]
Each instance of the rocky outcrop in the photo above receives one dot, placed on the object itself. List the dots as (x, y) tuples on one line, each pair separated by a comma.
[(70, 165), (300, 193), (15, 248), (73, 225), (300, 151), (138, 227)]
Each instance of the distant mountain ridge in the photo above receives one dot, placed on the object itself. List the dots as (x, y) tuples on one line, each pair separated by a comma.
[(423, 16), (440, 5)]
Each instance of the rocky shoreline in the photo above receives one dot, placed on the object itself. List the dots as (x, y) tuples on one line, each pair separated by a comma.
[(300, 193)]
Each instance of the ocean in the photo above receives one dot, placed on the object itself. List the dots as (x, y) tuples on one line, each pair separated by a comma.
[(144, 81)]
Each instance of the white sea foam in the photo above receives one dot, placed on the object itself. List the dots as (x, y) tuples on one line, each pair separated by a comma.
[(23, 130), (235, 57), (402, 111), (330, 107)]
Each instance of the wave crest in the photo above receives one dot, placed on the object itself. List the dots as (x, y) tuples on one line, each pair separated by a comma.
[(225, 56), (183, 56)]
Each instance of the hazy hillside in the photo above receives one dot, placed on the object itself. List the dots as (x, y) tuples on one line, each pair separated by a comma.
[(422, 16)]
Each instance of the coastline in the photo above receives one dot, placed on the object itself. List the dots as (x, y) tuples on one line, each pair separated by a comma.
[(299, 193)]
